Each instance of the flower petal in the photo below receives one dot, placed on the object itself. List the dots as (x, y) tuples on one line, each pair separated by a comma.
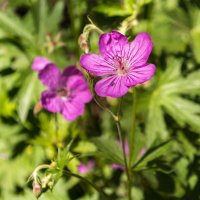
[(51, 102), (72, 109), (113, 86), (50, 75), (71, 70), (138, 75), (140, 49), (112, 44), (73, 79), (80, 91), (96, 65), (40, 63)]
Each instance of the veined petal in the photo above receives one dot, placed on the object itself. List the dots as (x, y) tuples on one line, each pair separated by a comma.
[(113, 86), (51, 102), (141, 74), (69, 74), (71, 70), (50, 76), (112, 44), (80, 90), (72, 109), (40, 63), (96, 65), (139, 50), (73, 79)]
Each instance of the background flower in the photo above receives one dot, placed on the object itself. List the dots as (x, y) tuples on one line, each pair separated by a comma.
[(67, 92), (86, 168)]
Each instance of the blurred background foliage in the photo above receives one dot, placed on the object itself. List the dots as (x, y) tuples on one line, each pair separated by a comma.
[(167, 106)]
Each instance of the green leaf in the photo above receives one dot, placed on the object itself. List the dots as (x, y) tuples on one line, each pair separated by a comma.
[(195, 36), (151, 155), (139, 144), (42, 10), (188, 148), (113, 10), (25, 96), (143, 2), (167, 98), (7, 106), (183, 111), (85, 147), (109, 149), (15, 26), (55, 16)]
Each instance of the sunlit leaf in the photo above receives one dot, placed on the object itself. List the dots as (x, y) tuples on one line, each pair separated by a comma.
[(109, 149), (152, 154), (25, 97)]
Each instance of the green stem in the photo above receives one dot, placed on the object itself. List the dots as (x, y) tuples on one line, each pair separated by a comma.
[(56, 126), (122, 141), (68, 173), (94, 27), (100, 104), (103, 107), (132, 133)]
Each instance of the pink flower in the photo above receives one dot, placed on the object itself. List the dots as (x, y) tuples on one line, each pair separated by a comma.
[(122, 64), (39, 63), (86, 168), (67, 91)]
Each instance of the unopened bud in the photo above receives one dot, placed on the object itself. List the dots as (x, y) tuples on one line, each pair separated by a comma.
[(37, 189), (51, 184), (45, 181), (83, 42)]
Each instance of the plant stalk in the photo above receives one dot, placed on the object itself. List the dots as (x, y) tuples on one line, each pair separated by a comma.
[(68, 173), (132, 133), (122, 141)]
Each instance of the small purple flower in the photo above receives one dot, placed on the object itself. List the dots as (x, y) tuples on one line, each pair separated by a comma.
[(86, 168), (122, 64), (67, 92)]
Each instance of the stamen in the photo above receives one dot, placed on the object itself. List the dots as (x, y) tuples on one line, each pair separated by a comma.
[(121, 65), (62, 92)]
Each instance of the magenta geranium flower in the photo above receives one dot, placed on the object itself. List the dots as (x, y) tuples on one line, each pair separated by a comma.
[(67, 91), (122, 64)]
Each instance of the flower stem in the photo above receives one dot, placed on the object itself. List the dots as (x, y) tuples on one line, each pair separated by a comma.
[(68, 173), (104, 108), (56, 126), (132, 133), (122, 141)]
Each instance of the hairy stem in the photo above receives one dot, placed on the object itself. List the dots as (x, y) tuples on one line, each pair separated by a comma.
[(122, 141), (132, 133), (68, 173)]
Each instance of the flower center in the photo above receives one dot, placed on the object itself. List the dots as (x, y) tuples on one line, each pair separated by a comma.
[(121, 65), (62, 92)]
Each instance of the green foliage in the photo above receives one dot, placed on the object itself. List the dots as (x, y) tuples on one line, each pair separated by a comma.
[(151, 155), (167, 97), (167, 114), (109, 149)]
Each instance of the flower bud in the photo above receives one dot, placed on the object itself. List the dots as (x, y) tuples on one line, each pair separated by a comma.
[(45, 181), (37, 189), (83, 42)]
